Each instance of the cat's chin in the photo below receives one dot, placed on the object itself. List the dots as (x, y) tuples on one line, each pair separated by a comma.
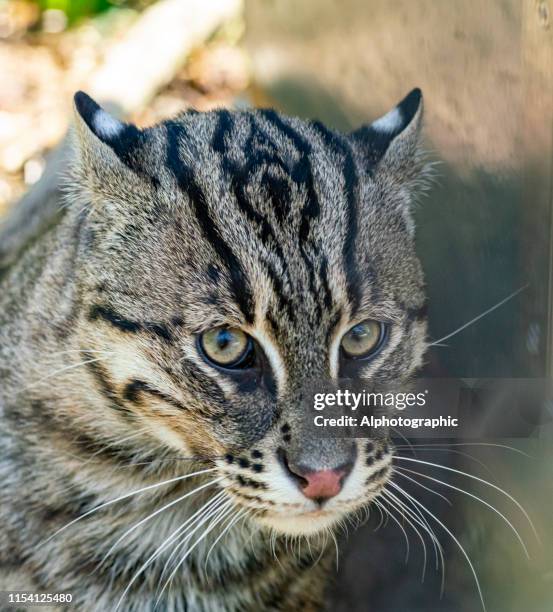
[(306, 523)]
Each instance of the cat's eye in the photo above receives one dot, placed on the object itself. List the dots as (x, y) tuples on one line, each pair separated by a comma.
[(363, 339), (227, 347)]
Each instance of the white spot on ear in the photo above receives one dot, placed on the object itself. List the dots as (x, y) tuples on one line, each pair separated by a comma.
[(390, 122), (106, 126)]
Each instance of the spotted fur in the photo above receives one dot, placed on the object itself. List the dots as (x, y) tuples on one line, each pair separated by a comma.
[(281, 227)]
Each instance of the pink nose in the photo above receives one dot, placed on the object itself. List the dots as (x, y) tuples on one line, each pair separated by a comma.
[(316, 484), (323, 484)]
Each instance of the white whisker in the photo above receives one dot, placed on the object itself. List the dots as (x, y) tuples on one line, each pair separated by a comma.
[(450, 486), (397, 431), (416, 515), (480, 316), (456, 452), (486, 482), (399, 470), (412, 525), (323, 547), (223, 513), (451, 534), (233, 521), (420, 519), (70, 351), (189, 528), (136, 434), (406, 537), (490, 444), (158, 511), (308, 542), (126, 496), (381, 522), (163, 546), (336, 547), (61, 370)]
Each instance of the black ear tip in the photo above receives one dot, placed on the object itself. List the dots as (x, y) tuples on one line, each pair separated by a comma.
[(85, 105), (411, 104), (414, 96)]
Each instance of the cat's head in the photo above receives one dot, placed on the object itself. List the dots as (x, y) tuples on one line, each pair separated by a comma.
[(230, 258)]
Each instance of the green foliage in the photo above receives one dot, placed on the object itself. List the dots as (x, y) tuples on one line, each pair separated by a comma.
[(76, 9)]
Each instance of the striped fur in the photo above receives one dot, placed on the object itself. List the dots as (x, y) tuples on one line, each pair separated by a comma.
[(286, 229)]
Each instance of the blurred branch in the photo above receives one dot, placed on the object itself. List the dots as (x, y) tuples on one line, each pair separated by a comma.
[(138, 65), (155, 48)]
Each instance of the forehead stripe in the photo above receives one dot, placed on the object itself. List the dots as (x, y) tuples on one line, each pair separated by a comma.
[(328, 300), (240, 177), (302, 174), (351, 179), (240, 285)]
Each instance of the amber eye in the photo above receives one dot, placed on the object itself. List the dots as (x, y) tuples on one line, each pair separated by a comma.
[(363, 340), (227, 347)]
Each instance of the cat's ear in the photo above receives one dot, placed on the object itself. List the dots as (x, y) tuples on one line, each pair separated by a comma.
[(103, 139), (391, 142)]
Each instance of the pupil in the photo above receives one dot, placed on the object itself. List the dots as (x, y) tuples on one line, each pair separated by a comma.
[(224, 338)]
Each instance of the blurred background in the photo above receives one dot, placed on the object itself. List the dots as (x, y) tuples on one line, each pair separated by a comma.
[(484, 231)]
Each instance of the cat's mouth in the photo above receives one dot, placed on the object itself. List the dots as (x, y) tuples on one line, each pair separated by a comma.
[(308, 522)]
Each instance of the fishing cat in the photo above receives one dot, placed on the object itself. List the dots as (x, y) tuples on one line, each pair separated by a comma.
[(155, 342)]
